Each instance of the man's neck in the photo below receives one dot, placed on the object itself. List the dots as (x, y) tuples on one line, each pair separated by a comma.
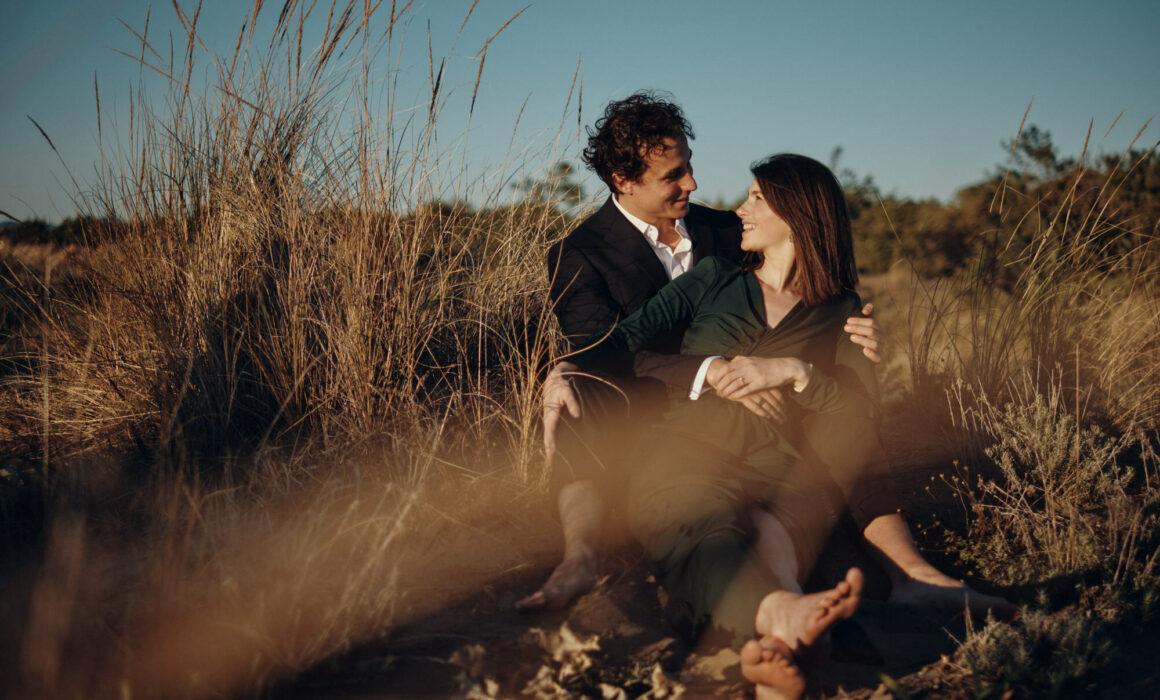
[(666, 228), (667, 232)]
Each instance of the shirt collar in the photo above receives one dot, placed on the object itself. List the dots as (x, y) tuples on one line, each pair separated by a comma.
[(648, 229)]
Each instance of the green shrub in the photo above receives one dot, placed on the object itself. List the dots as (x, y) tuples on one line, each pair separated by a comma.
[(1061, 506), (1040, 656)]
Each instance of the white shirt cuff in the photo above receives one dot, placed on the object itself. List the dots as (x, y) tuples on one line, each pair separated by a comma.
[(799, 387), (699, 381)]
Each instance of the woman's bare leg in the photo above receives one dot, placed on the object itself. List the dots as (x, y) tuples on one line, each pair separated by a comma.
[(916, 582), (776, 549)]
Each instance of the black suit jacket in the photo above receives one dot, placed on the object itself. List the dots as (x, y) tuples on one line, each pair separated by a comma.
[(605, 270)]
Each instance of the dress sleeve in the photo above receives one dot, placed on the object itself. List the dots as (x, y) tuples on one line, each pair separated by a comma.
[(850, 382), (671, 309)]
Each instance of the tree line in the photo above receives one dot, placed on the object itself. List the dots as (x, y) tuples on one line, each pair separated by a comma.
[(990, 223)]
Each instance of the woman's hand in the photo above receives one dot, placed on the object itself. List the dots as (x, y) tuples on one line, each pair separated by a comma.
[(744, 376)]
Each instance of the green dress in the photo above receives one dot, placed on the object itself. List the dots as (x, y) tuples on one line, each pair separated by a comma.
[(722, 310), (691, 490)]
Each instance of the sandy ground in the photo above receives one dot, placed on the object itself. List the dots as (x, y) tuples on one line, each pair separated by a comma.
[(613, 643)]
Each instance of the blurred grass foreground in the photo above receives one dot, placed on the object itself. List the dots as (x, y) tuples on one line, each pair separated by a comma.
[(279, 359)]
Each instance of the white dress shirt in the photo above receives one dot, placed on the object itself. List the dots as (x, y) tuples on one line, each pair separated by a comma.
[(676, 261)]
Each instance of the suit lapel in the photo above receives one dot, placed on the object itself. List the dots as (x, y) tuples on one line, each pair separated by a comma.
[(627, 245)]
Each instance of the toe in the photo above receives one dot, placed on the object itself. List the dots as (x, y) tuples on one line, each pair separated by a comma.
[(752, 653)]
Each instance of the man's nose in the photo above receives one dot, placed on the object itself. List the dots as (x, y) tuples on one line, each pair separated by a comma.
[(688, 184)]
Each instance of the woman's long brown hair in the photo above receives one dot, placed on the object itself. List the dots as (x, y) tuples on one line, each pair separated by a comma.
[(808, 197)]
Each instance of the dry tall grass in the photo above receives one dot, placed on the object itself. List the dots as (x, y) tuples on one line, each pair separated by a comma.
[(1040, 378), (1048, 390), (1084, 304), (283, 286), (278, 278)]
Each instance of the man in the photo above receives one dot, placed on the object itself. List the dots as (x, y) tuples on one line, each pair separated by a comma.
[(645, 234)]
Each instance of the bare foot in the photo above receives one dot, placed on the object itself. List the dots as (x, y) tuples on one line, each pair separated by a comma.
[(929, 587), (800, 621), (571, 579), (769, 665)]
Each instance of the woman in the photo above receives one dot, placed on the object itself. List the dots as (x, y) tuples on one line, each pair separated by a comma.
[(720, 502)]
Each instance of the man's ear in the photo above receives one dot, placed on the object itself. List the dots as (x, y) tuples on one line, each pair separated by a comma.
[(622, 184)]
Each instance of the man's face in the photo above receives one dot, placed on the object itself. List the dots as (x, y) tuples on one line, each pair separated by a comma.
[(662, 192)]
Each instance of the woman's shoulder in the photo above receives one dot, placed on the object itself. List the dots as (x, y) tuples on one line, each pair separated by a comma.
[(849, 301), (845, 303)]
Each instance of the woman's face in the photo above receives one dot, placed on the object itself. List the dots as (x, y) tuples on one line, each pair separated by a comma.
[(761, 227)]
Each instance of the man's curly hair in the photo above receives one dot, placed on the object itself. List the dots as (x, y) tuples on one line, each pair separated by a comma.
[(631, 129)]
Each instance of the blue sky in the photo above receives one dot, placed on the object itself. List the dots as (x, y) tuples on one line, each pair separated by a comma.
[(918, 94)]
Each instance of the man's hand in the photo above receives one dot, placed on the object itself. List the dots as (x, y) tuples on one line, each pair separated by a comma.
[(557, 394), (864, 331), (766, 403)]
